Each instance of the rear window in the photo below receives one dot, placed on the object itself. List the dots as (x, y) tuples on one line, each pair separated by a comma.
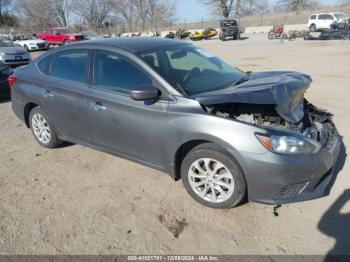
[(44, 65), (70, 65), (313, 17)]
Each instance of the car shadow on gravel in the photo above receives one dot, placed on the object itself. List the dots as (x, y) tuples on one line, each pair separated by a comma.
[(335, 223)]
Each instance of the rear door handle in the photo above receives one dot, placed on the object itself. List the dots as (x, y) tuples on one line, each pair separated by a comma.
[(48, 93), (97, 106)]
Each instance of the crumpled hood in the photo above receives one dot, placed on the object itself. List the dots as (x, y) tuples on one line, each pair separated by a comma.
[(283, 89)]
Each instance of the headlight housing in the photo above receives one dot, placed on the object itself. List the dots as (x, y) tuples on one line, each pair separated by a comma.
[(289, 144)]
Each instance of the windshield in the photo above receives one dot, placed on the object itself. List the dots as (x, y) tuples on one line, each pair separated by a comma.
[(192, 70), (6, 43), (339, 16)]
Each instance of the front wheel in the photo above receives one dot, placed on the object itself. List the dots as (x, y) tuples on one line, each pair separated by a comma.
[(43, 129), (238, 36), (212, 178), (313, 28)]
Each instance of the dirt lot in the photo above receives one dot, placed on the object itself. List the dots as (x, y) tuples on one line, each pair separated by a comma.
[(75, 200)]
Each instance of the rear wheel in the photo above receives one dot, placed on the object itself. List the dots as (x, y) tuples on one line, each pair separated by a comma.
[(43, 129), (212, 178)]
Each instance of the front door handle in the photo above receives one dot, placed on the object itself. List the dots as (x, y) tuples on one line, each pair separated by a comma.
[(97, 106)]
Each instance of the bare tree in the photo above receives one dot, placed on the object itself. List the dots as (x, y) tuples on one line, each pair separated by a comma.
[(93, 12), (126, 11), (60, 8), (161, 12), (295, 5), (253, 7), (142, 9), (35, 14), (224, 7)]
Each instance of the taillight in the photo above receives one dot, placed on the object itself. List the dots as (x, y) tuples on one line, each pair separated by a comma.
[(12, 81)]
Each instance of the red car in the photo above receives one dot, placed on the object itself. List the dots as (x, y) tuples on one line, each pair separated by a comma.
[(60, 36)]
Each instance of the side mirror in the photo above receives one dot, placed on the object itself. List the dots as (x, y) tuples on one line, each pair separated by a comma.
[(144, 93)]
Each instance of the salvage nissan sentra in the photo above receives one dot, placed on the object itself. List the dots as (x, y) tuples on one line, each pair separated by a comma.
[(175, 107)]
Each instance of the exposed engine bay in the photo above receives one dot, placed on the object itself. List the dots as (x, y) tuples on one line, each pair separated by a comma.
[(316, 123)]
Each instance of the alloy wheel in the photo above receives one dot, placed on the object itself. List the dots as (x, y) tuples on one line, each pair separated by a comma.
[(211, 180), (41, 128)]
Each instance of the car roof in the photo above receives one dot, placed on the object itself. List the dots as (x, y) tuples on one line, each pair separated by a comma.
[(134, 44)]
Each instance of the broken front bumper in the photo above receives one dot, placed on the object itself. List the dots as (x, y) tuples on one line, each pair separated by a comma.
[(280, 179)]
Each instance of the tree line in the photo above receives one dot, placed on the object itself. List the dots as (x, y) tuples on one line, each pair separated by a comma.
[(133, 15), (36, 15)]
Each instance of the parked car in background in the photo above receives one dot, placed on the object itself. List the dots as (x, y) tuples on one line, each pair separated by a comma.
[(177, 108), (324, 20), (60, 36), (90, 35), (5, 72), (13, 54), (229, 28), (33, 44)]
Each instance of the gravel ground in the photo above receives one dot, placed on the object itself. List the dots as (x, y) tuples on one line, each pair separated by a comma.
[(75, 200)]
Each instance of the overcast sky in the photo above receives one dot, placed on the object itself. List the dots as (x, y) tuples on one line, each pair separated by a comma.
[(193, 10)]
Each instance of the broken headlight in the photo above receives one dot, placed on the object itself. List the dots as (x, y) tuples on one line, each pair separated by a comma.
[(289, 144)]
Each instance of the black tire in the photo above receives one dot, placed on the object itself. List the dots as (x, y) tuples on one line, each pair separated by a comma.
[(222, 37), (238, 36), (65, 42), (54, 141), (313, 28), (210, 150)]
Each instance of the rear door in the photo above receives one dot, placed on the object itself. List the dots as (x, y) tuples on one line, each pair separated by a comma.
[(135, 129), (330, 19), (322, 21), (63, 93)]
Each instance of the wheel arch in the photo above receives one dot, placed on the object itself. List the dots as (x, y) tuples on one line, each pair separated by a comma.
[(313, 24), (27, 108), (187, 146)]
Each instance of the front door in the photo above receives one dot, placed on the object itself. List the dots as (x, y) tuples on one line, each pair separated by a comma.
[(136, 129)]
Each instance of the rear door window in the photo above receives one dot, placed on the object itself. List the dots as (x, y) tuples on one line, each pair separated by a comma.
[(313, 17), (70, 65)]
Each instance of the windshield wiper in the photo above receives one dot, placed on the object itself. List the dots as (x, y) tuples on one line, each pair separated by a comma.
[(243, 79)]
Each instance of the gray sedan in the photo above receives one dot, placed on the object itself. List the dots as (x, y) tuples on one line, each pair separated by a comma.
[(13, 54), (175, 107)]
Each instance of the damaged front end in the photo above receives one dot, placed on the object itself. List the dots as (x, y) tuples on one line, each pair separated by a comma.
[(273, 100), (301, 140), (316, 124)]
